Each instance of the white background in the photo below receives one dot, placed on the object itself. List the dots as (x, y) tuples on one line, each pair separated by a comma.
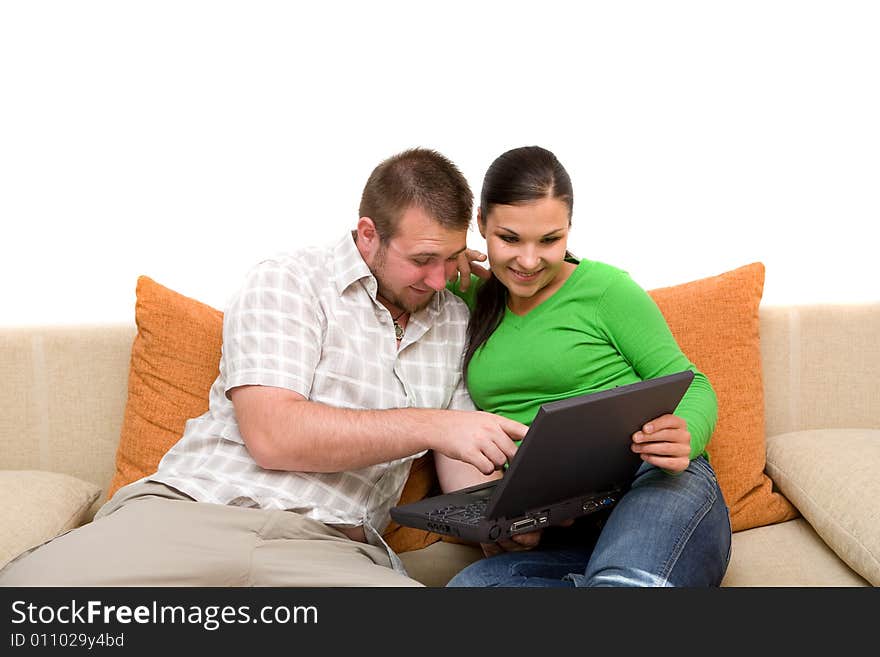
[(188, 140)]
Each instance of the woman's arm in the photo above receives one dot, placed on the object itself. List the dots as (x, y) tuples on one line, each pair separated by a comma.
[(637, 328), (455, 475)]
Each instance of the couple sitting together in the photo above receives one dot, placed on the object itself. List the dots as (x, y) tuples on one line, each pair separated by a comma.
[(341, 365)]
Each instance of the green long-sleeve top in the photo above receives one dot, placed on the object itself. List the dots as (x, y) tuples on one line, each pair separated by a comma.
[(599, 330)]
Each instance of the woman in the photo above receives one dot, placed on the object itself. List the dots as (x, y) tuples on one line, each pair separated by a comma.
[(546, 326)]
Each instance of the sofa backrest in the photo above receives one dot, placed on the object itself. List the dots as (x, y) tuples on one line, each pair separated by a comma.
[(821, 366), (63, 389), (63, 392)]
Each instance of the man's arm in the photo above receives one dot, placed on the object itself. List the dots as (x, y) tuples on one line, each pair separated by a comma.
[(285, 431)]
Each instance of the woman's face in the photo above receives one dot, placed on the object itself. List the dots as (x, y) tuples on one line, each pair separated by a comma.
[(526, 244)]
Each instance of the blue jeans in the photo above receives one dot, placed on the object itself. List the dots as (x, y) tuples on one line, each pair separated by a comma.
[(667, 530)]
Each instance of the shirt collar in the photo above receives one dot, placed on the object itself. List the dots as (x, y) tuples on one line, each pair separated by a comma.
[(349, 268), (348, 265)]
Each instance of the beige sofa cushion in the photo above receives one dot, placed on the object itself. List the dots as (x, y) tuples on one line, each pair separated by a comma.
[(831, 476), (787, 554), (36, 506), (438, 563)]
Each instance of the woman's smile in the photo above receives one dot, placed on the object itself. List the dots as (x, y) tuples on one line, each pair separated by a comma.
[(525, 277)]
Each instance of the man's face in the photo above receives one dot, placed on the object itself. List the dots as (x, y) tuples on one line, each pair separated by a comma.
[(417, 261)]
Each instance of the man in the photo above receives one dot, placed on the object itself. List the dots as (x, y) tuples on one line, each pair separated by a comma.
[(340, 366)]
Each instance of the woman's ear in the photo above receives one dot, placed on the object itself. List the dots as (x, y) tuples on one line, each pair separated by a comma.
[(481, 224)]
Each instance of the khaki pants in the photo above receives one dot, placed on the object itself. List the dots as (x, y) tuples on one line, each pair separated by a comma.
[(152, 535)]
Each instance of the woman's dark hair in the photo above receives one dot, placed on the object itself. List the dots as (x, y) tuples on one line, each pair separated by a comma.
[(518, 176)]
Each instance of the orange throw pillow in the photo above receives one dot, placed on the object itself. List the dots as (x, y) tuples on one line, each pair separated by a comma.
[(422, 482), (175, 359), (715, 321)]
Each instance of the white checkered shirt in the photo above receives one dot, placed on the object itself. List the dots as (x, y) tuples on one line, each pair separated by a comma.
[(310, 322)]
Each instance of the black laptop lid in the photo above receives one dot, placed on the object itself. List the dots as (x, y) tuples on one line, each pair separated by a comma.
[(583, 444)]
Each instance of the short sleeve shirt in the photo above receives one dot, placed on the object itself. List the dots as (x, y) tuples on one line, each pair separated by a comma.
[(310, 322)]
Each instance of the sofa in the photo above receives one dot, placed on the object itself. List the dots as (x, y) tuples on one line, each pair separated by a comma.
[(64, 390)]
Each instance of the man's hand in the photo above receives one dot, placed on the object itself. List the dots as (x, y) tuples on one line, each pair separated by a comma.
[(466, 266), (482, 439), (664, 442)]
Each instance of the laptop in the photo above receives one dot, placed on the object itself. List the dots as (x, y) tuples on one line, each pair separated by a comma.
[(575, 459)]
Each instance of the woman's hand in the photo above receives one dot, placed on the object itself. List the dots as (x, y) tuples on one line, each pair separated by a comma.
[(516, 543), (466, 264), (664, 442)]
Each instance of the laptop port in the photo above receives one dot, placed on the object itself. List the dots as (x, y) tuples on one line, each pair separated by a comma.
[(521, 525)]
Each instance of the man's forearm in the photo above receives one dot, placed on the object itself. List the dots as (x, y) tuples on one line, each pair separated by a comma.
[(308, 436)]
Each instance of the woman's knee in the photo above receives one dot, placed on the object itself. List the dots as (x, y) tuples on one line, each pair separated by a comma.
[(477, 574)]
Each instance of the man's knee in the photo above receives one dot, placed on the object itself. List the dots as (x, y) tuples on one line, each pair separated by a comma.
[(33, 568)]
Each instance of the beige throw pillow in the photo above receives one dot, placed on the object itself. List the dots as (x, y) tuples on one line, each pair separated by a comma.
[(36, 506), (831, 477)]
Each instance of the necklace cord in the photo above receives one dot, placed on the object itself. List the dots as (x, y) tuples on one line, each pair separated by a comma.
[(398, 329)]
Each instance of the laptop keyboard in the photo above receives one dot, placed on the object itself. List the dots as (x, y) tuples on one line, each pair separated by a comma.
[(469, 514), (473, 512)]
